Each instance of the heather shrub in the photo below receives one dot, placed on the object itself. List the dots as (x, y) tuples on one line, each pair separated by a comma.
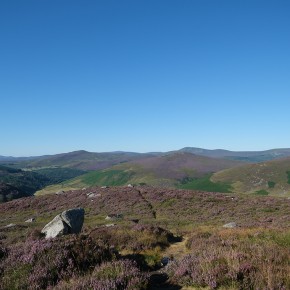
[(3, 252), (136, 238), (233, 259), (116, 275), (152, 258), (37, 264)]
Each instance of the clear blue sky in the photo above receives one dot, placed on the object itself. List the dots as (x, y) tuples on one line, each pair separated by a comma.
[(145, 75)]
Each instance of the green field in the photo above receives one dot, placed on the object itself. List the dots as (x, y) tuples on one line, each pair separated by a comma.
[(205, 184), (109, 178)]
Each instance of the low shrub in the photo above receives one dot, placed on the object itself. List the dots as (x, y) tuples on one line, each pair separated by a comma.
[(135, 238), (262, 192), (37, 264), (116, 275), (233, 260), (271, 184)]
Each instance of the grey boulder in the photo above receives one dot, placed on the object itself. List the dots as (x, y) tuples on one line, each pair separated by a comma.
[(68, 222), (74, 218)]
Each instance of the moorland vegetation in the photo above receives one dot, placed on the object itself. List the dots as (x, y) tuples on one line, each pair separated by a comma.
[(126, 253)]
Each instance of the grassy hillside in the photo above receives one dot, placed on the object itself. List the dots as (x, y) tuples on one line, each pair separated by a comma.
[(116, 176), (172, 170), (270, 177), (205, 183), (180, 165)]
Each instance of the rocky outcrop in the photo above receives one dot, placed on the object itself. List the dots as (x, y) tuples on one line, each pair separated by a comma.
[(68, 222)]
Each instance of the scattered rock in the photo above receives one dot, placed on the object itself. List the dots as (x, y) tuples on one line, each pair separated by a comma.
[(103, 187), (90, 195), (165, 261), (68, 222), (59, 192), (109, 225), (10, 226), (130, 185), (31, 220), (230, 225), (114, 216)]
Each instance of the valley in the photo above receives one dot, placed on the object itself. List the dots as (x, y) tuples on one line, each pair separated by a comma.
[(187, 168)]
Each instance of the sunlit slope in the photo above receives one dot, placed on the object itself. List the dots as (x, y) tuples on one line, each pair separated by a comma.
[(270, 177), (166, 171)]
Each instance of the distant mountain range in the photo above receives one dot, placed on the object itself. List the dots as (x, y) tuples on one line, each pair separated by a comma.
[(78, 159), (190, 168), (248, 156), (91, 161)]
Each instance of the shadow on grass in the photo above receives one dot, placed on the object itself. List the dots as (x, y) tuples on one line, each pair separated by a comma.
[(159, 281), (173, 239), (140, 260)]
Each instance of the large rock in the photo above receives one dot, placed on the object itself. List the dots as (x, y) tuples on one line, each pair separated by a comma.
[(68, 222), (74, 218)]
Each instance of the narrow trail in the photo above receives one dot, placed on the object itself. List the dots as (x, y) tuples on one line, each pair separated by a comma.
[(177, 250), (148, 204), (159, 279)]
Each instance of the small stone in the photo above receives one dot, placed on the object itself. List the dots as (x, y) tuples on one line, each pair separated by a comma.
[(59, 192), (31, 220), (230, 225), (109, 225), (10, 226), (165, 261)]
